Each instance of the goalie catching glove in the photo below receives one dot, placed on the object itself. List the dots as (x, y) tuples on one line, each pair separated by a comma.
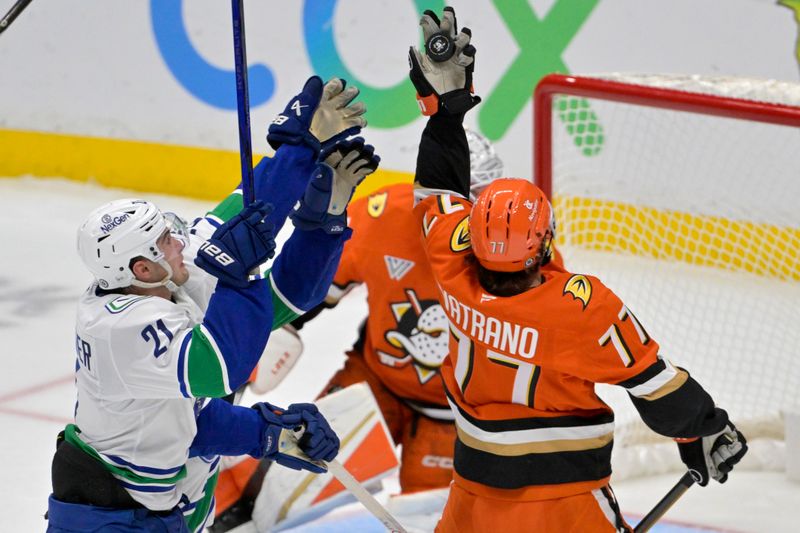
[(443, 76), (712, 457), (343, 167), (318, 116), (238, 246), (318, 441)]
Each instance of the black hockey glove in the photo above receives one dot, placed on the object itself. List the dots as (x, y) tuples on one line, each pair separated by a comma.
[(238, 246), (318, 116), (712, 457), (343, 167), (443, 76)]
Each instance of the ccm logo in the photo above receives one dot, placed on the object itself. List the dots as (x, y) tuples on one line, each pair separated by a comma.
[(219, 256), (437, 461)]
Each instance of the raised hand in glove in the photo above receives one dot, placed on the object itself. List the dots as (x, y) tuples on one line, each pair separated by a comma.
[(318, 116), (317, 442), (343, 167), (712, 457), (443, 76), (238, 246)]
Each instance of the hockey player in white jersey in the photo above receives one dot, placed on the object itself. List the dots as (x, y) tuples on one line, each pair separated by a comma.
[(161, 339)]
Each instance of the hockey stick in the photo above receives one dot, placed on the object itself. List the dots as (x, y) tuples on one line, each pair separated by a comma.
[(13, 13), (290, 446), (367, 500), (242, 101), (665, 504)]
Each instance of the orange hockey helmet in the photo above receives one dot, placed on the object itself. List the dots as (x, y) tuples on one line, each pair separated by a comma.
[(512, 226)]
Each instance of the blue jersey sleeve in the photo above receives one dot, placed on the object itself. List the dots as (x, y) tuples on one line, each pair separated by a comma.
[(304, 270), (225, 429), (224, 349)]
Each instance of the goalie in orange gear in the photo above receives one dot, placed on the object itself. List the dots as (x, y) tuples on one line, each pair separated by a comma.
[(533, 448)]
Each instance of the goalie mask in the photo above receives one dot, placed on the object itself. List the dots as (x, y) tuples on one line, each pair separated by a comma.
[(512, 226), (484, 164), (117, 232)]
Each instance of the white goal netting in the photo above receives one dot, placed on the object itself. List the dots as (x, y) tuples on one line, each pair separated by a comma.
[(693, 219)]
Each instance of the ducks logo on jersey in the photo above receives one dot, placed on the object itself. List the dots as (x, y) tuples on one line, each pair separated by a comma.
[(459, 240), (376, 204), (421, 335), (580, 288)]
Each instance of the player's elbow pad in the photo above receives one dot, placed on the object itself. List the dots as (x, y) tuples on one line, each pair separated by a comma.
[(688, 411)]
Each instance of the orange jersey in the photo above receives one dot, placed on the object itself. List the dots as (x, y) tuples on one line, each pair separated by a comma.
[(406, 338), (521, 372)]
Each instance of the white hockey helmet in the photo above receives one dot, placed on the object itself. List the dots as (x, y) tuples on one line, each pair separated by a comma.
[(484, 164), (117, 232)]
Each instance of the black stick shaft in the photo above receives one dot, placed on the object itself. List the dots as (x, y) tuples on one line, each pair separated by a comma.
[(665, 504), (243, 101), (13, 13)]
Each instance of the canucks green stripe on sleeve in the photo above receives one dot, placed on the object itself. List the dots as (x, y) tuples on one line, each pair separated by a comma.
[(229, 207), (206, 378), (282, 314), (71, 436)]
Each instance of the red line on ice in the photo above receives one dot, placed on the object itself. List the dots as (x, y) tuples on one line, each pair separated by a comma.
[(37, 416), (36, 388)]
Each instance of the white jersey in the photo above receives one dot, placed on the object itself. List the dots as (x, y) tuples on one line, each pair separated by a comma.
[(147, 364), (131, 410), (129, 406)]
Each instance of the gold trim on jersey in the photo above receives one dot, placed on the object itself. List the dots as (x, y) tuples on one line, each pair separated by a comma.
[(670, 386), (427, 223), (550, 446)]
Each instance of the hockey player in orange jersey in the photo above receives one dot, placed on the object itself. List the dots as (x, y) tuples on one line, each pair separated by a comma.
[(529, 343), (404, 341)]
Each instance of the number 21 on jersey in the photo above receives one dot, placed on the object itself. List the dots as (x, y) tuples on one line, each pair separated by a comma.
[(150, 334)]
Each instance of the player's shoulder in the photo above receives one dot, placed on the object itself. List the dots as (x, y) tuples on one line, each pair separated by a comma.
[(385, 203), (122, 311), (579, 293)]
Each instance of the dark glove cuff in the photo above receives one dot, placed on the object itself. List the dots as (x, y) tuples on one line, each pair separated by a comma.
[(692, 456), (277, 139), (457, 102)]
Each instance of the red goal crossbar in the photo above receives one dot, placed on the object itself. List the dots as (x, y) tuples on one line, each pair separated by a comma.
[(676, 100)]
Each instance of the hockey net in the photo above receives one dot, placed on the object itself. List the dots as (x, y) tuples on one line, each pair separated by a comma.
[(682, 194)]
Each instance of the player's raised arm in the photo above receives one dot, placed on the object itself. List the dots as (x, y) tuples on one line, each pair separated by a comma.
[(442, 76), (314, 120), (304, 270)]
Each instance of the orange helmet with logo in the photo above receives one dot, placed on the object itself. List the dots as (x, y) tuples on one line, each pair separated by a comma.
[(511, 226)]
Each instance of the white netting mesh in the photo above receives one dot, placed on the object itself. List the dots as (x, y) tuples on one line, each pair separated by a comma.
[(694, 222)]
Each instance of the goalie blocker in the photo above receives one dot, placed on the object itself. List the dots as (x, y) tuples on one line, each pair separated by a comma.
[(289, 498)]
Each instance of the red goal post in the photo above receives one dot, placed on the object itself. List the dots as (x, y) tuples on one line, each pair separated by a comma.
[(682, 193)]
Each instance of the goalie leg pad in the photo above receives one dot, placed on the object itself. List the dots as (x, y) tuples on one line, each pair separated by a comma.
[(280, 355), (290, 497), (395, 412)]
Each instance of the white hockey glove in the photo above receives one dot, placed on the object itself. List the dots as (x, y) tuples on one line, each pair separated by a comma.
[(712, 457), (443, 76), (324, 204), (318, 116)]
